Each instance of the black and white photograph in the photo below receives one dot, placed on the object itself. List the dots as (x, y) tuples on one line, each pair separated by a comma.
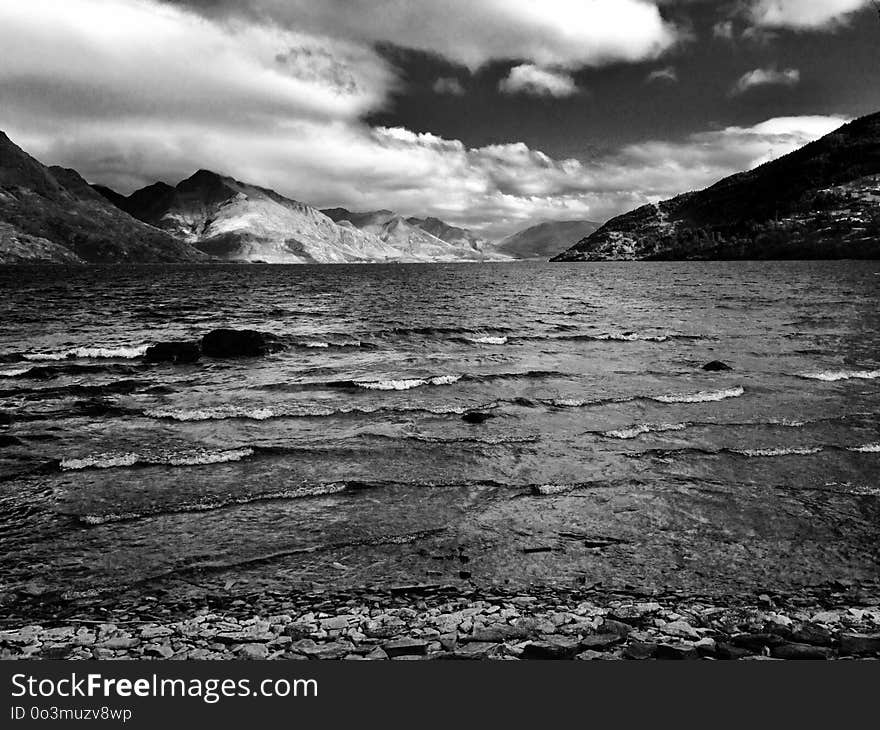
[(495, 330)]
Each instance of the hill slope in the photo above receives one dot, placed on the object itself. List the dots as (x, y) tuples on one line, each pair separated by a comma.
[(545, 239), (50, 214), (821, 201)]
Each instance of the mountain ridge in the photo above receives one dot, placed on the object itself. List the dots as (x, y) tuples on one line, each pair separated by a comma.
[(51, 214), (820, 201)]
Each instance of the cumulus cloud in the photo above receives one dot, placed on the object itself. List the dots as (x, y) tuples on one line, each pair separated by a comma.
[(766, 77), (135, 91), (534, 81), (665, 75), (448, 85), (564, 33), (804, 14)]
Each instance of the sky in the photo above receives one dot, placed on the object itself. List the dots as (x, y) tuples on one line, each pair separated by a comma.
[(491, 114)]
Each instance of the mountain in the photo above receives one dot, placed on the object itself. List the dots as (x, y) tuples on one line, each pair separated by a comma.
[(821, 201), (451, 234), (50, 214), (545, 239), (236, 221), (417, 237)]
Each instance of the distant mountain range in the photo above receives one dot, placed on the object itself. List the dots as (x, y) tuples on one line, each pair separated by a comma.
[(50, 214), (822, 201), (236, 221), (545, 239), (819, 202)]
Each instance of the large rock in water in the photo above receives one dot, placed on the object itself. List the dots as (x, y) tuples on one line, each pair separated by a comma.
[(819, 202), (238, 343)]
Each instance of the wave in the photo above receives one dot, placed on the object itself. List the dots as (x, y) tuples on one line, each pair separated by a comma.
[(832, 376), (866, 449), (207, 505), (487, 340), (193, 457), (326, 345), (127, 352), (709, 396), (408, 384), (779, 451), (265, 413), (639, 429), (14, 373)]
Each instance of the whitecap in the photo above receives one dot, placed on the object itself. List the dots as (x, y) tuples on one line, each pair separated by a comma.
[(779, 451), (193, 457), (866, 449), (638, 429), (832, 376), (488, 340), (129, 352), (710, 396), (14, 373), (409, 384)]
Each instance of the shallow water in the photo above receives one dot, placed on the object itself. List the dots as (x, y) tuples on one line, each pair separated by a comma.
[(344, 458)]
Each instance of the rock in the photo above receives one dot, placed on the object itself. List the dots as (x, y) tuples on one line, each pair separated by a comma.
[(640, 650), (154, 632), (253, 652), (706, 647), (827, 617), (174, 352), (590, 655), (55, 651), (497, 634), (477, 650), (378, 654), (680, 629), (812, 634), (119, 642), (557, 647), (800, 651), (336, 622), (160, 650), (477, 417), (610, 626), (859, 644), (238, 343), (406, 647), (677, 651), (755, 643), (726, 650), (716, 366), (600, 641)]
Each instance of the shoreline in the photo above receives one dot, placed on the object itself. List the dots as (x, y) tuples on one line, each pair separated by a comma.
[(447, 622)]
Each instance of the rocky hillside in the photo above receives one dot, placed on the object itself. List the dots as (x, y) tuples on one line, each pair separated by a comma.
[(821, 201), (545, 239), (50, 214), (236, 221)]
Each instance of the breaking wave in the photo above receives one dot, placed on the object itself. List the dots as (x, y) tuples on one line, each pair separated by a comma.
[(129, 352), (193, 457), (779, 451), (639, 429), (487, 340), (709, 396), (832, 376), (408, 384), (866, 449), (265, 413)]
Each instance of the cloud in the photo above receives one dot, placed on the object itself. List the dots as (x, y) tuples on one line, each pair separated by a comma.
[(135, 91), (534, 81), (804, 14), (766, 77), (723, 29), (562, 33), (664, 75), (449, 85)]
